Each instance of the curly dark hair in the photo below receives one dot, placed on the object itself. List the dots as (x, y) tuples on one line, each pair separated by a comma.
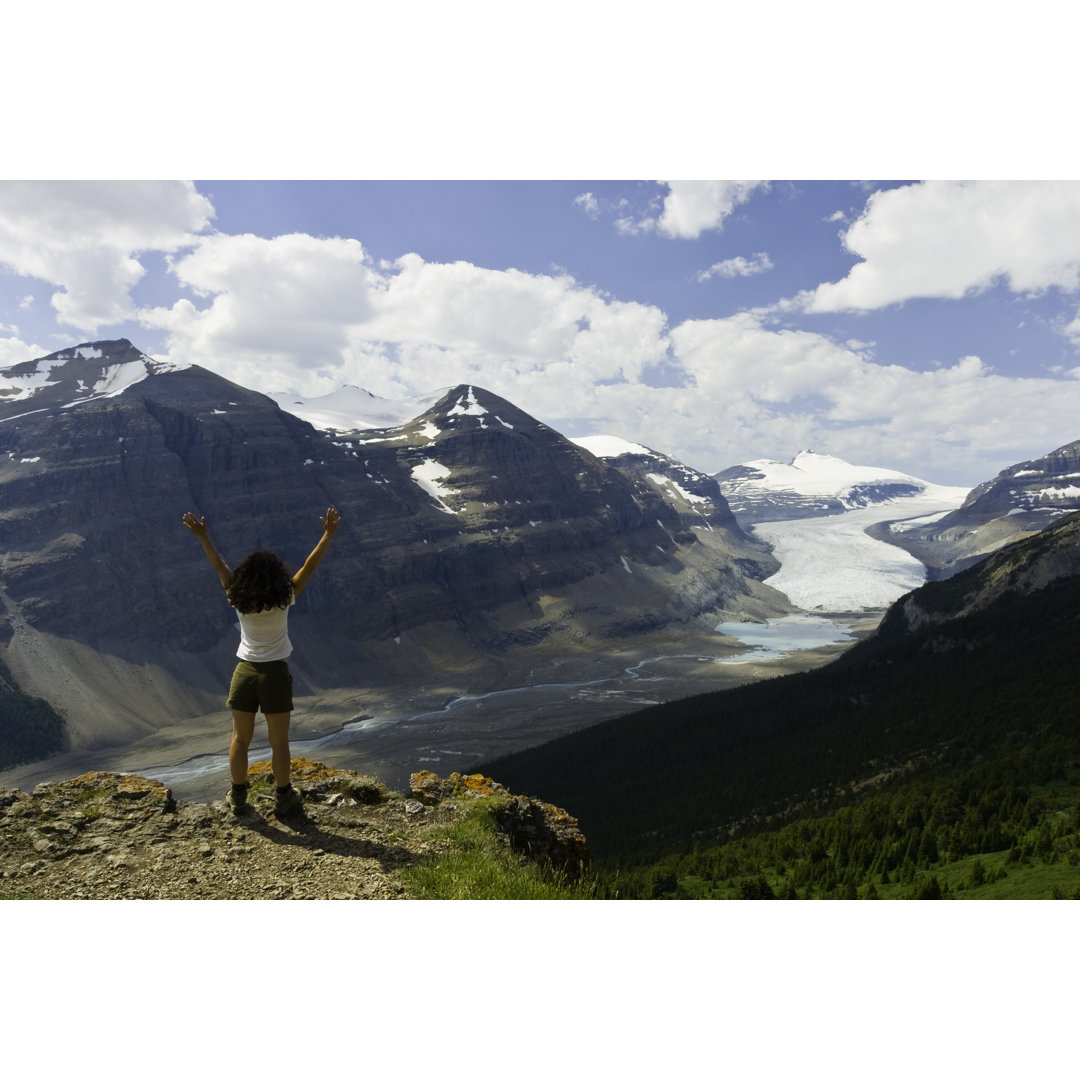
[(261, 582)]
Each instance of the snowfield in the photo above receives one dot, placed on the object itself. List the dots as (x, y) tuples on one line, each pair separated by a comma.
[(351, 408), (830, 564)]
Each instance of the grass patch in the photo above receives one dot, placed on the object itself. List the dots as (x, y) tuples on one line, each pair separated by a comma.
[(478, 864)]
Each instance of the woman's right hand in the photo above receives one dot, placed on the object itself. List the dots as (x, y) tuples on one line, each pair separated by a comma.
[(196, 525)]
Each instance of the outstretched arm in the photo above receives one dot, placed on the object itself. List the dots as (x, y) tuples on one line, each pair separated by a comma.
[(198, 527), (330, 525)]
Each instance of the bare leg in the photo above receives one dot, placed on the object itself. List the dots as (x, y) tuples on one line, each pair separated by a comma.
[(243, 727), (277, 727)]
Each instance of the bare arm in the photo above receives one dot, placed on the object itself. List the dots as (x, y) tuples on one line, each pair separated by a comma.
[(330, 525), (198, 527)]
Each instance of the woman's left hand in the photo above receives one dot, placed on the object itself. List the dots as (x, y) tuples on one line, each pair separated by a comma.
[(331, 522)]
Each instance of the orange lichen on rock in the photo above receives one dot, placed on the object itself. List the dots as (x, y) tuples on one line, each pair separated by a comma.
[(429, 788), (302, 769)]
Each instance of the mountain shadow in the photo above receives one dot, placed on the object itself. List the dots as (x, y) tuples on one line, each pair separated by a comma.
[(982, 664)]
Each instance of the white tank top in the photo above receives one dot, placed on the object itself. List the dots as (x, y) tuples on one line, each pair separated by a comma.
[(264, 635)]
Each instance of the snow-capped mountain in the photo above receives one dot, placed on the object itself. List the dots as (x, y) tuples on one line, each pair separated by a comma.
[(76, 376), (814, 484), (695, 495), (1022, 499)]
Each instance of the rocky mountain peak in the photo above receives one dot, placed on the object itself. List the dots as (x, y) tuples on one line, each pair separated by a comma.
[(87, 372)]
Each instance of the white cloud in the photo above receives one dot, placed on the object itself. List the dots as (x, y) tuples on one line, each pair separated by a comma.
[(945, 239), (631, 226), (738, 267), (587, 201), (83, 237), (689, 208), (696, 206), (774, 392), (541, 341), (280, 310), (307, 314), (13, 351), (1072, 330)]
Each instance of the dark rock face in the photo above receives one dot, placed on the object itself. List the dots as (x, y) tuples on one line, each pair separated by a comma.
[(1020, 500), (472, 531)]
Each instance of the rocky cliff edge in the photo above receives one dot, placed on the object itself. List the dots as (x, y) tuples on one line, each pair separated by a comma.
[(122, 836)]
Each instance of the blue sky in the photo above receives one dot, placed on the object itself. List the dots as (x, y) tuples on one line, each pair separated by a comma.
[(929, 326)]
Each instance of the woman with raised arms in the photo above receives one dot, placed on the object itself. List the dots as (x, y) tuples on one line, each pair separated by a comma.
[(262, 591)]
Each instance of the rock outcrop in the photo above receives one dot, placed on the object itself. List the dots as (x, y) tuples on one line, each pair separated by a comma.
[(544, 832), (120, 836)]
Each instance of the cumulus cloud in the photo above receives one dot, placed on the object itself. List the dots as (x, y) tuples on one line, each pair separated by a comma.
[(308, 314), (771, 389), (946, 239), (696, 206), (738, 267), (278, 312), (13, 351), (83, 236), (1072, 330), (689, 208)]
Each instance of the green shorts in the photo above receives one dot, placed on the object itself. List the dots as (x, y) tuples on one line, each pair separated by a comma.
[(261, 684)]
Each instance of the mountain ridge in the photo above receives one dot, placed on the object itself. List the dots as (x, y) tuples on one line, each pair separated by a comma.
[(1022, 499)]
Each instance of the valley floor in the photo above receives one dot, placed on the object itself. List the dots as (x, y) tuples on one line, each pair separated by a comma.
[(390, 734)]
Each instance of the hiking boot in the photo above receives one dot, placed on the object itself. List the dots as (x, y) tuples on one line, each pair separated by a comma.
[(236, 800), (287, 801)]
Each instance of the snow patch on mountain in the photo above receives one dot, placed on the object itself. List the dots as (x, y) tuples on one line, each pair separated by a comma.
[(351, 408), (467, 405), (114, 380), (429, 475), (610, 446)]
